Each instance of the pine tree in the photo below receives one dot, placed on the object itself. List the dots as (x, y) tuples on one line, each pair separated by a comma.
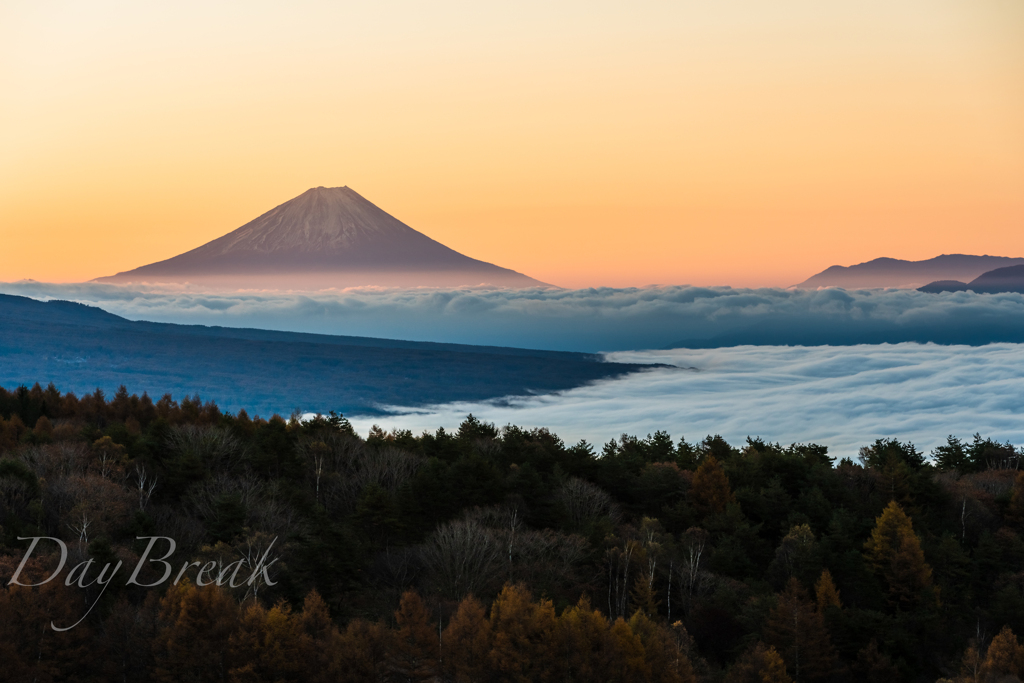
[(894, 552)]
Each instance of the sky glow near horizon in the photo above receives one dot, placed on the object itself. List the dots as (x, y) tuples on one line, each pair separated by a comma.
[(585, 144), (841, 397)]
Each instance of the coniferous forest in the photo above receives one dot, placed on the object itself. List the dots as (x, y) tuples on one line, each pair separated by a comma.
[(494, 553)]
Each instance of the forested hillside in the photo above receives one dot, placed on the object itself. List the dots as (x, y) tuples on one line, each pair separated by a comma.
[(82, 347), (497, 553)]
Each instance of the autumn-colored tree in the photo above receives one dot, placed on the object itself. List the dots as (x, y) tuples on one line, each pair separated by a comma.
[(894, 552), (970, 664), (709, 490), (192, 641), (1015, 510), (628, 660), (583, 641), (666, 660), (797, 630), (825, 592), (1005, 658), (415, 647), (30, 650), (43, 429), (872, 666), (360, 652), (267, 645), (10, 432), (126, 637), (320, 640), (760, 664), (466, 643), (523, 645), (107, 458)]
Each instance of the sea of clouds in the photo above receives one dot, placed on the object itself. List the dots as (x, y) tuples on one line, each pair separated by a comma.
[(843, 397), (837, 367), (593, 320)]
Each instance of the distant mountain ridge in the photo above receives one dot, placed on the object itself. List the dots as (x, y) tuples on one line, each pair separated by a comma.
[(1009, 279), (897, 273), (325, 237)]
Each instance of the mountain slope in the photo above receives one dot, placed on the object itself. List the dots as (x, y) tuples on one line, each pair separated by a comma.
[(80, 348), (890, 272), (325, 237)]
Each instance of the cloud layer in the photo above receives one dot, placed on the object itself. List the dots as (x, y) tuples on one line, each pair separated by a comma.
[(843, 397), (579, 320)]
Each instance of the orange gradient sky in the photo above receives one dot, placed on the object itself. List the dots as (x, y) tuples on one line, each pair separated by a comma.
[(588, 143)]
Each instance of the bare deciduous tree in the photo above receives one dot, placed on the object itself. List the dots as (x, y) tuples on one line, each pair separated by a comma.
[(462, 556), (144, 485), (695, 579), (584, 503)]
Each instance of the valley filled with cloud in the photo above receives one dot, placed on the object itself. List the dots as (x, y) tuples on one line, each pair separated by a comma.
[(593, 320), (842, 397)]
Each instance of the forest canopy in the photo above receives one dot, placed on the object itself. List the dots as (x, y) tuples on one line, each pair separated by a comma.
[(501, 553)]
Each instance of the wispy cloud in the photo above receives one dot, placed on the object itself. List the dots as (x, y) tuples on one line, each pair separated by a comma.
[(601, 319), (843, 397)]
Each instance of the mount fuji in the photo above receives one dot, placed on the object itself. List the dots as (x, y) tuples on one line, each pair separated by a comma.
[(327, 237)]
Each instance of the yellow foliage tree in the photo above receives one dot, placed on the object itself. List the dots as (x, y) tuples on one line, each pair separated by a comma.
[(826, 593), (583, 640), (760, 664), (466, 643), (523, 645), (628, 661), (1005, 657), (894, 552), (196, 625), (268, 645), (360, 652), (666, 661)]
